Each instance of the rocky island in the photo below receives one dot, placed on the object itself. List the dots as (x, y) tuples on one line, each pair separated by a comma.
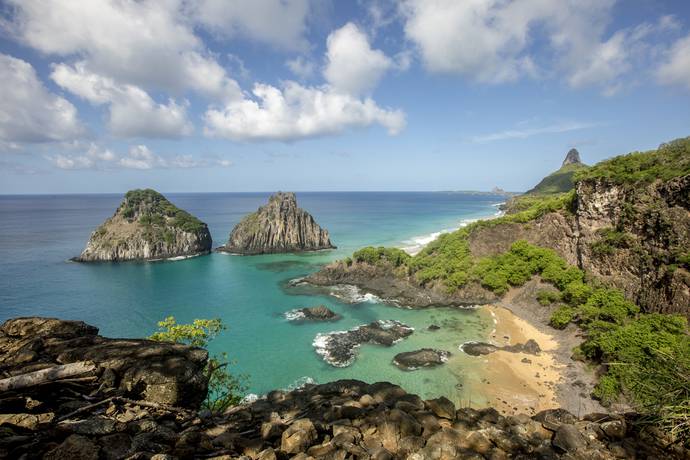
[(146, 226), (277, 227)]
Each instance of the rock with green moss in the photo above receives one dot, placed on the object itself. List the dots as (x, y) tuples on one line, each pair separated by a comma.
[(146, 226), (278, 227)]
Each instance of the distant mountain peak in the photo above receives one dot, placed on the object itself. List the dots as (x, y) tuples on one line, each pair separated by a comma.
[(573, 157)]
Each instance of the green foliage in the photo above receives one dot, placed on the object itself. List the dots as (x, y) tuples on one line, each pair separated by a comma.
[(559, 181), (224, 388), (546, 297), (562, 317), (577, 292), (607, 305), (668, 161), (447, 259), (609, 240), (153, 210), (373, 256)]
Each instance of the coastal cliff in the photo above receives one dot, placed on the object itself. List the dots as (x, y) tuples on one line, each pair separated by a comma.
[(278, 227), (630, 233), (140, 400), (146, 226)]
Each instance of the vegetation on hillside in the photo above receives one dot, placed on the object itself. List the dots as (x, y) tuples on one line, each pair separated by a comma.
[(224, 388), (560, 181), (670, 160), (448, 260), (153, 210)]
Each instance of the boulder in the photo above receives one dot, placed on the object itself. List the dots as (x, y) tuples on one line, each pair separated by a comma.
[(425, 357)]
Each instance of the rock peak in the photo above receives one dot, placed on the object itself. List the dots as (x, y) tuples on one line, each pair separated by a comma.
[(277, 227), (571, 158)]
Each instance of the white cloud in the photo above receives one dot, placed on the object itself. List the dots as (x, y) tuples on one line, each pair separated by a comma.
[(133, 112), (137, 157), (297, 112), (352, 66), (148, 44), (493, 41), (28, 111), (301, 67), (675, 68), (281, 23), (529, 132)]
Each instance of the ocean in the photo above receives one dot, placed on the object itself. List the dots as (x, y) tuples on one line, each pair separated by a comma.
[(38, 235)]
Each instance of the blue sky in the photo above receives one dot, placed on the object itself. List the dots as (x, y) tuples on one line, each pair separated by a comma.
[(260, 95)]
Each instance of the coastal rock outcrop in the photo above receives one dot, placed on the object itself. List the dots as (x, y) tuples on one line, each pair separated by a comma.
[(92, 416), (530, 347), (317, 313), (425, 357), (157, 372), (146, 226), (277, 227), (340, 348)]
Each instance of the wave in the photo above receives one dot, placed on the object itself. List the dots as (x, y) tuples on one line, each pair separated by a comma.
[(294, 315), (352, 294)]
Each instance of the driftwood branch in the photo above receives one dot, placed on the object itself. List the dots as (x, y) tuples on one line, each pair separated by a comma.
[(52, 374)]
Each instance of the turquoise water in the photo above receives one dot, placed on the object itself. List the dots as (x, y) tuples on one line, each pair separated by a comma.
[(250, 294)]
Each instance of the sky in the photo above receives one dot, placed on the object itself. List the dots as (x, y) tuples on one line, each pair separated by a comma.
[(103, 96)]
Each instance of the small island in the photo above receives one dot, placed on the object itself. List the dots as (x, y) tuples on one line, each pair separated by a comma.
[(146, 226), (278, 227)]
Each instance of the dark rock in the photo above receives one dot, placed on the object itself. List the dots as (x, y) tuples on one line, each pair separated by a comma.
[(298, 436), (318, 313), (442, 407), (480, 348), (425, 357), (434, 327), (340, 348), (569, 439), (279, 226), (75, 447), (572, 157), (146, 226)]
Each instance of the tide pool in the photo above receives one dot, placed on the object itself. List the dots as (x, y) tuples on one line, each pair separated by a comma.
[(38, 234)]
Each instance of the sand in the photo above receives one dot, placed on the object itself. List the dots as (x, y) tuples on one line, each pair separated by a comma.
[(519, 382)]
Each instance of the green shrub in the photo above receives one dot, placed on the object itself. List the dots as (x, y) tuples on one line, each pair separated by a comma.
[(607, 305), (577, 293), (562, 317), (668, 161), (610, 240), (546, 297), (224, 389), (607, 389), (373, 256)]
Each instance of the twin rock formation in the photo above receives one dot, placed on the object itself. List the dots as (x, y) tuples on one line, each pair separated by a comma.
[(146, 226)]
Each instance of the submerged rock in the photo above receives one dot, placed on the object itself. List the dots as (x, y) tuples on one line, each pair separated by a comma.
[(278, 227), (146, 226), (425, 357), (340, 348), (317, 313)]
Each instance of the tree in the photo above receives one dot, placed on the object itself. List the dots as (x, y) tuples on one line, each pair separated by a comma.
[(224, 388)]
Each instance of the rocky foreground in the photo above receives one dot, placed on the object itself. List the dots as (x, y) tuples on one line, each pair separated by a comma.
[(138, 399), (146, 226), (278, 227)]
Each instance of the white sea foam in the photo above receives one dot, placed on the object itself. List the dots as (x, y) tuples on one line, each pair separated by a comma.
[(294, 315), (352, 294), (250, 398), (300, 383)]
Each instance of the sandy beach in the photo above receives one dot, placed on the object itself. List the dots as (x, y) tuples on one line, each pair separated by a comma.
[(519, 382)]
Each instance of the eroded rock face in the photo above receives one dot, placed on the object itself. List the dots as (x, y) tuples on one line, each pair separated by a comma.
[(340, 348), (278, 227), (146, 226), (158, 372), (572, 157), (425, 357)]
